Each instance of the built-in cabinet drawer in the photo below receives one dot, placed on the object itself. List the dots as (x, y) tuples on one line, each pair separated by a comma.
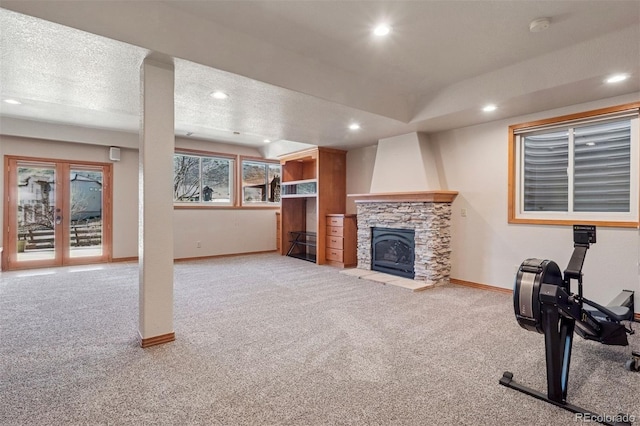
[(335, 242), (335, 221), (335, 255), (336, 231), (341, 240)]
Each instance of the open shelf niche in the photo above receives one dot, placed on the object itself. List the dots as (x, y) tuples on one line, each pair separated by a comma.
[(313, 185)]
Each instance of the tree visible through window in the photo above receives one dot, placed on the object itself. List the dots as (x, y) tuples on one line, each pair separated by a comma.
[(198, 179)]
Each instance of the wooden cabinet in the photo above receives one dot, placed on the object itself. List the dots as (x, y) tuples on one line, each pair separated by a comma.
[(342, 240), (278, 241), (313, 186)]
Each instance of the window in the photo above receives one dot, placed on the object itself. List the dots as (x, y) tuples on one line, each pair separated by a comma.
[(576, 168), (260, 182), (202, 179)]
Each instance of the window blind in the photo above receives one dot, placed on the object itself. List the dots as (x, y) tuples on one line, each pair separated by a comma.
[(598, 165), (602, 167), (546, 158)]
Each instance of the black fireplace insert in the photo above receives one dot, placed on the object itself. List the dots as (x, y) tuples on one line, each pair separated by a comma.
[(393, 251)]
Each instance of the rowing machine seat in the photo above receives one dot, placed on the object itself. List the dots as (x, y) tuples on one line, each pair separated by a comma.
[(609, 313)]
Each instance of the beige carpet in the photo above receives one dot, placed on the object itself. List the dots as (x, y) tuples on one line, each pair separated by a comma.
[(270, 340)]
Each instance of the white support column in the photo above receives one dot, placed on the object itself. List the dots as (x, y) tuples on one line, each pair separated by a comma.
[(155, 203)]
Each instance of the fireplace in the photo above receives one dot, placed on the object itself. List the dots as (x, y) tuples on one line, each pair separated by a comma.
[(393, 251), (426, 214)]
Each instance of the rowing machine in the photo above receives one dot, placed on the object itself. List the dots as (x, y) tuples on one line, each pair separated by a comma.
[(634, 363), (544, 303)]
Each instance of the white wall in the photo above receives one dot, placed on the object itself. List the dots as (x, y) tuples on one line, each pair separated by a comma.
[(360, 164), (486, 249), (223, 232), (395, 155), (220, 231)]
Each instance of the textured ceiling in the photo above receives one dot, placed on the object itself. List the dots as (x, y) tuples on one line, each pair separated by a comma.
[(303, 70)]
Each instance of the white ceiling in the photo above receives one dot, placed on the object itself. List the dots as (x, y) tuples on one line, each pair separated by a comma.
[(303, 70)]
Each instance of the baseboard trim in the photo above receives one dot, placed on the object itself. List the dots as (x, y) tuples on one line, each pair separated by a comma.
[(480, 286), (216, 256), (124, 259), (156, 340), (187, 259), (497, 289)]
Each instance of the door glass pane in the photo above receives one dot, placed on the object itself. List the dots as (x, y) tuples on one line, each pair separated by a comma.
[(36, 204), (85, 205)]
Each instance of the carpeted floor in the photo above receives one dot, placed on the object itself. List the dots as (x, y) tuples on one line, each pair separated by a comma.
[(270, 340)]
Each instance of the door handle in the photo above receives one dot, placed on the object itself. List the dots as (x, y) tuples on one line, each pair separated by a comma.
[(58, 220)]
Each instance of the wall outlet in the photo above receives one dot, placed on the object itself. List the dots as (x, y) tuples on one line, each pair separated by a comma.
[(463, 212), (198, 245)]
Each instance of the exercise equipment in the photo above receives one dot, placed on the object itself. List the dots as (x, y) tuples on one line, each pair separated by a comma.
[(634, 363), (543, 303)]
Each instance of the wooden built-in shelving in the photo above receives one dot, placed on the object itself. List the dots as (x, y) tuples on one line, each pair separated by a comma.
[(307, 212), (299, 188)]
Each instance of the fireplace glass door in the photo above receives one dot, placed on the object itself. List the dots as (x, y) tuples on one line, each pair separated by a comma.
[(393, 251)]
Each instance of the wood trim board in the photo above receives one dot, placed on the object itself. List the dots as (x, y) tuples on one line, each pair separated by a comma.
[(419, 196), (500, 290), (156, 340)]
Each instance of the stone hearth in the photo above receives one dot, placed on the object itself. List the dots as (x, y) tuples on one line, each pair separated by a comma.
[(427, 213)]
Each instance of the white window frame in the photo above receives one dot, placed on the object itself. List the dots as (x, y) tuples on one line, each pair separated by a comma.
[(517, 213)]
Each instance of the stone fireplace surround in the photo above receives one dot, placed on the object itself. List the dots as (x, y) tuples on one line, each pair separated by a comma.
[(428, 213)]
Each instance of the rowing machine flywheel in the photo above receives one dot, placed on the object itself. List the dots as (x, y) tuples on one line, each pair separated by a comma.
[(532, 273)]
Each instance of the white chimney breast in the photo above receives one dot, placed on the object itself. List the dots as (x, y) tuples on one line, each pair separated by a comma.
[(405, 163)]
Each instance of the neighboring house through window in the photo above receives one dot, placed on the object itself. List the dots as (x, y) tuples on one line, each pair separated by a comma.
[(260, 182)]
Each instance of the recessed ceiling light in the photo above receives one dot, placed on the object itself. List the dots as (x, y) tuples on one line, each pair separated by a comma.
[(13, 102), (219, 95), (382, 30), (267, 141), (616, 78), (354, 126), (590, 144), (489, 108)]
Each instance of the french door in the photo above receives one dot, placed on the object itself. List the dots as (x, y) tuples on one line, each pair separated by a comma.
[(56, 213)]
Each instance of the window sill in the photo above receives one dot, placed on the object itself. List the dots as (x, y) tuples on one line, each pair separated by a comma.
[(225, 207), (261, 206), (564, 222)]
